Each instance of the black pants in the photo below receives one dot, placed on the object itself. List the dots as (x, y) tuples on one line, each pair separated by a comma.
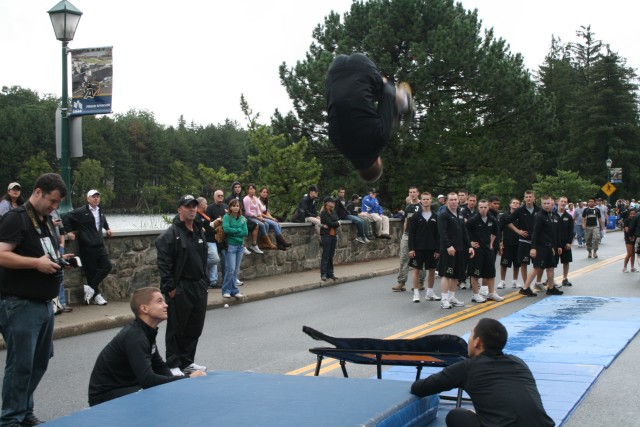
[(97, 266), (186, 314), (328, 251), (462, 418), (113, 394)]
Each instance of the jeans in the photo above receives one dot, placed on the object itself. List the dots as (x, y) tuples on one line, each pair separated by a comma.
[(328, 251), (273, 224), (579, 233), (232, 260), (62, 298), (27, 328), (359, 222), (263, 226), (212, 262)]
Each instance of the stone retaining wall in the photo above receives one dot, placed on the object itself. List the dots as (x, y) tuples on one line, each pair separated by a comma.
[(133, 255)]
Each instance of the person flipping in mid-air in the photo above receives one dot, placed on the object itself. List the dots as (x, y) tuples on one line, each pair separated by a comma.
[(363, 107)]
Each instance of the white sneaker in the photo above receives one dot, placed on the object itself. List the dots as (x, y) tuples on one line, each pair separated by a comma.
[(484, 291), (195, 367), (515, 285), (246, 251), (177, 372), (239, 283), (538, 287), (238, 295), (478, 298), (360, 240), (227, 295), (454, 302), (432, 297), (495, 297), (88, 294), (255, 249), (416, 296), (501, 285), (99, 300), (624, 270), (463, 285), (366, 240), (445, 304)]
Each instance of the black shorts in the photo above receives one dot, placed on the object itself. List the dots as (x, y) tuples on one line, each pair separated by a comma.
[(566, 257), (523, 253), (452, 266), (544, 258), (423, 260), (509, 256), (628, 239), (482, 264)]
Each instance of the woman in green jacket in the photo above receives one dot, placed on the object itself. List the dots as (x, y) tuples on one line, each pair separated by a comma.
[(235, 229)]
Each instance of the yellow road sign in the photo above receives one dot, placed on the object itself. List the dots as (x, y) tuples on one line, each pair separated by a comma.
[(608, 189)]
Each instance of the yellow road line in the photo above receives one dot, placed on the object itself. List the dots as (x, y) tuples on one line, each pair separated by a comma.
[(459, 316)]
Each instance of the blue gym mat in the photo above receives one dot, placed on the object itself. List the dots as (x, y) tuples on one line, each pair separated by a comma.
[(566, 341), (249, 399)]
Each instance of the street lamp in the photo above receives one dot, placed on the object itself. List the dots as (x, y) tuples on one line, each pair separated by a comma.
[(65, 18), (609, 163)]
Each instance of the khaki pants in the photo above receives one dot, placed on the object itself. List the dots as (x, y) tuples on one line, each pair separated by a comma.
[(381, 223), (592, 238)]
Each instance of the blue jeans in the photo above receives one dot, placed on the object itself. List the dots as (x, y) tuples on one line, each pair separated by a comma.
[(359, 222), (273, 224), (264, 227), (27, 328), (579, 233), (232, 260), (62, 298), (212, 262)]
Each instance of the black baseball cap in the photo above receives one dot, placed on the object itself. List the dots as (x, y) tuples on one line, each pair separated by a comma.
[(187, 200)]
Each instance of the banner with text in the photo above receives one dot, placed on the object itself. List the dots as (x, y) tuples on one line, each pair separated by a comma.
[(91, 80)]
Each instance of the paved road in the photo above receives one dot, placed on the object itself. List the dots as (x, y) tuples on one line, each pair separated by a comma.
[(265, 336)]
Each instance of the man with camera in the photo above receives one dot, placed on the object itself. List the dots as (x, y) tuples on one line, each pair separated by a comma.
[(31, 276), (87, 222)]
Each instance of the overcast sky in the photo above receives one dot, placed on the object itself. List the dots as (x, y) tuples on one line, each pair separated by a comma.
[(195, 58)]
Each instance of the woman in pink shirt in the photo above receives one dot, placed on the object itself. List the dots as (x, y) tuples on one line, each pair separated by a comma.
[(254, 214)]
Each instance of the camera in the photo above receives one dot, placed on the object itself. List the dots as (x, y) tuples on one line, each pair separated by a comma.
[(71, 262)]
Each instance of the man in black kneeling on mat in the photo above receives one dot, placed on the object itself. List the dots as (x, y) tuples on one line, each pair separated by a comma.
[(502, 388)]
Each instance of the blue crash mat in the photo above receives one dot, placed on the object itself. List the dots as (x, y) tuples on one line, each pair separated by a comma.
[(566, 341), (248, 399)]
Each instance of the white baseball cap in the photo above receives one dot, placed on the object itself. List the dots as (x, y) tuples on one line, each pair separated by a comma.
[(92, 193)]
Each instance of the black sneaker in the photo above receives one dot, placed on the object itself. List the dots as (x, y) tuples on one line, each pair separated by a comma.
[(527, 292), (566, 282), (31, 420), (554, 291)]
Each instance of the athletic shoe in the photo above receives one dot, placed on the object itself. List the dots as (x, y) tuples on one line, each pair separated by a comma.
[(589, 255), (407, 111), (454, 302), (595, 254), (445, 304), (432, 297), (66, 309), (484, 291), (360, 240), (501, 285), (478, 298), (194, 367), (177, 372), (634, 270), (239, 282), (323, 278), (625, 270), (238, 295), (554, 291), (463, 285), (495, 297), (255, 249), (246, 251), (416, 297), (332, 277), (385, 236), (527, 292), (398, 288), (566, 282), (30, 420), (366, 240), (227, 295), (538, 287), (99, 300), (516, 285), (88, 294)]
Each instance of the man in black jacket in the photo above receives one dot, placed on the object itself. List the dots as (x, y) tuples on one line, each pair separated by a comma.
[(131, 360), (501, 387), (87, 222), (306, 211), (182, 261), (423, 243)]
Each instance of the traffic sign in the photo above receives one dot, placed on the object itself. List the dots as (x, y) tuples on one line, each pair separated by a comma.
[(608, 189)]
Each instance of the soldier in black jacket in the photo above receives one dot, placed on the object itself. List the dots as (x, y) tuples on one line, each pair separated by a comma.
[(182, 261), (424, 247), (544, 243), (508, 247), (87, 222), (131, 361), (566, 233), (328, 237)]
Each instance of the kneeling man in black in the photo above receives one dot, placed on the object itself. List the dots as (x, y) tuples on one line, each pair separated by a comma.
[(131, 361)]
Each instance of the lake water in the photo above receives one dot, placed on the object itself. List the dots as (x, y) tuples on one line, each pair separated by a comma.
[(138, 222)]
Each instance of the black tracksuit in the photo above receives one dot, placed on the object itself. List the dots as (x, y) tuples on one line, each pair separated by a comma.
[(524, 220), (361, 108), (182, 261), (329, 241), (544, 232), (129, 362), (483, 263), (423, 234)]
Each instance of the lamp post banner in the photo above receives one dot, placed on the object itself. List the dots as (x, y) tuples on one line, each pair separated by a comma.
[(91, 80)]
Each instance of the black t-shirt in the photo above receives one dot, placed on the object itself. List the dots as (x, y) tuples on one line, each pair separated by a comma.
[(16, 227), (215, 211), (592, 216), (410, 210)]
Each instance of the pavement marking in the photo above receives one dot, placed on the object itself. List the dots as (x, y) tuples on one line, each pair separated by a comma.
[(459, 316)]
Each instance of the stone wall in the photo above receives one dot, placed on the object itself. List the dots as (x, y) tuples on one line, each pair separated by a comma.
[(133, 255)]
